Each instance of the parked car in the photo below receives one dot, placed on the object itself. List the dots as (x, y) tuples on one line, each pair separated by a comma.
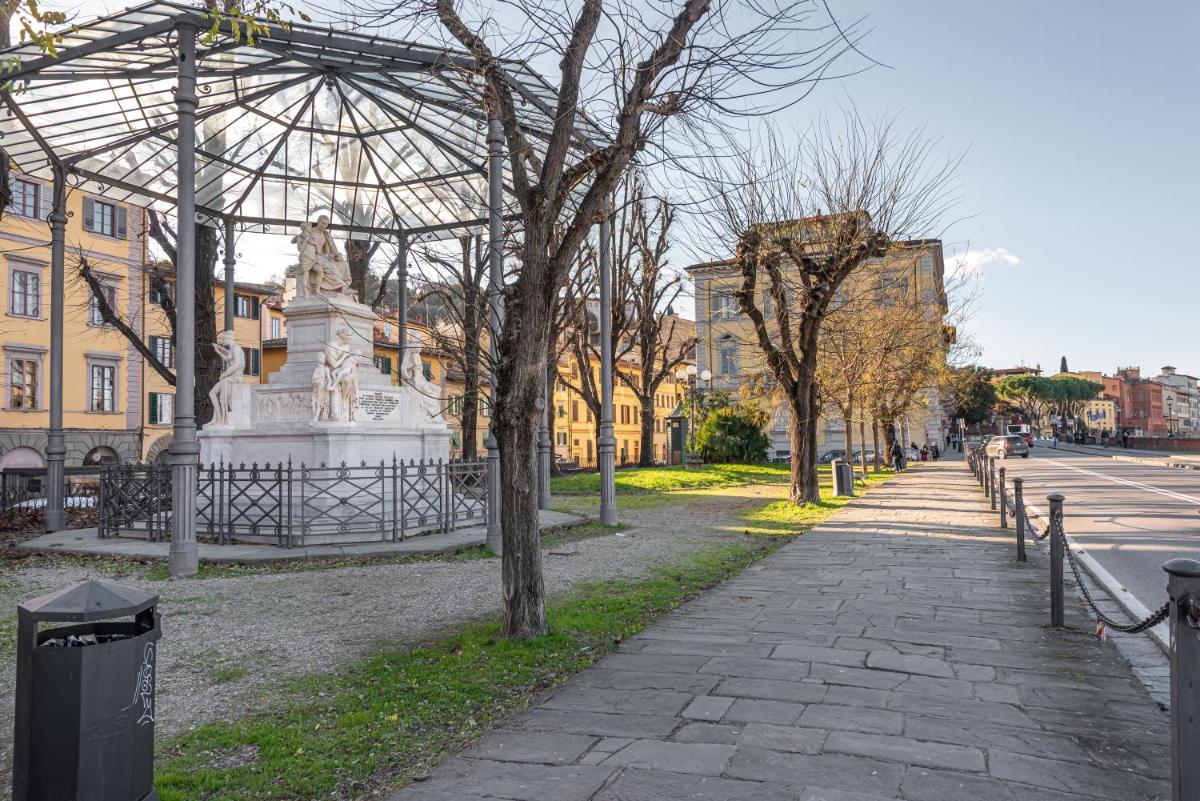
[(1002, 447), (829, 456)]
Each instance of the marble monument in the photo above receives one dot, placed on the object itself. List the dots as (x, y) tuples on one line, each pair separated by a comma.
[(329, 403)]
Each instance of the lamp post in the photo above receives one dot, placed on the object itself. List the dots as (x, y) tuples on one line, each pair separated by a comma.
[(689, 376)]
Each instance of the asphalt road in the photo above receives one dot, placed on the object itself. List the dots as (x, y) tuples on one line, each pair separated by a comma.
[(1130, 517)]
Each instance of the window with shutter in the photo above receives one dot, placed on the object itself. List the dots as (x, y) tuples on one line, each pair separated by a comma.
[(253, 362), (122, 223), (25, 198), (89, 214)]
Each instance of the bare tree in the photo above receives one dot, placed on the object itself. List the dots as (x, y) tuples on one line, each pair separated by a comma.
[(658, 340), (805, 218), (460, 286), (645, 74)]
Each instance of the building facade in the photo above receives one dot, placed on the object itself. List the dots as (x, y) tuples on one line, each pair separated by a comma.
[(727, 344), (102, 372), (1182, 403)]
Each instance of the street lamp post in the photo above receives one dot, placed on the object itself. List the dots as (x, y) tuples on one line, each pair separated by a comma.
[(689, 375)]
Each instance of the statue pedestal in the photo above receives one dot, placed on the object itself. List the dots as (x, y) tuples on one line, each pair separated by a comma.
[(273, 423)]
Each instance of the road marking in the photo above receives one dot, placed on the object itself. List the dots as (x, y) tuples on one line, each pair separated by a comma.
[(1176, 495)]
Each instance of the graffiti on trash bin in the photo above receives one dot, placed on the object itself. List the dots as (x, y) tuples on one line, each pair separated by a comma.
[(143, 692)]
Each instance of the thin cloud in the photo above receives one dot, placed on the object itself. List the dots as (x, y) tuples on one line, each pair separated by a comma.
[(975, 262)]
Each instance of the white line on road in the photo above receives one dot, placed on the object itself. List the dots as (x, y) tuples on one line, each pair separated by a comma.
[(1176, 495)]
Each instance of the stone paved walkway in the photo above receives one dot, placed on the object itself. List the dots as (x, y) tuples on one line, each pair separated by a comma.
[(894, 653)]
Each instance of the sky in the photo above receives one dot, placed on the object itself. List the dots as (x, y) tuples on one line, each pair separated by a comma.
[(1079, 123)]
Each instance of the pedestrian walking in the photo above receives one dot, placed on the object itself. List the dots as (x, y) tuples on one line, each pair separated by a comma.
[(924, 453), (935, 451), (897, 457)]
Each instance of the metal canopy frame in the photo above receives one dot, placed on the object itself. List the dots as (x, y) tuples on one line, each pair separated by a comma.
[(386, 137)]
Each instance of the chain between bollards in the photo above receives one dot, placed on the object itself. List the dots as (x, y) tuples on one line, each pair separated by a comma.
[(1056, 559), (1019, 506)]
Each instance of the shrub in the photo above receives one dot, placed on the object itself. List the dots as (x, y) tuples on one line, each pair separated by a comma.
[(734, 434)]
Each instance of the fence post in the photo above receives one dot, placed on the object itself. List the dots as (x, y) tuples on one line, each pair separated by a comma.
[(1019, 505), (1183, 589), (1003, 491), (1056, 559)]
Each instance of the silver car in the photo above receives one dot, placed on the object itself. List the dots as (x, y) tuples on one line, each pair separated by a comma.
[(1004, 446)]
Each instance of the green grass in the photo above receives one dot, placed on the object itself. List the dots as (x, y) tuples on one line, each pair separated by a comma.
[(390, 717), (784, 518), (675, 477)]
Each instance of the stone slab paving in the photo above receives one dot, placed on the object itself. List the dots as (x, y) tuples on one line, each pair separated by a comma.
[(86, 542), (896, 652)]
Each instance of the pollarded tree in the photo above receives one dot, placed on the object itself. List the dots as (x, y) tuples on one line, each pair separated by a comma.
[(659, 343), (804, 220)]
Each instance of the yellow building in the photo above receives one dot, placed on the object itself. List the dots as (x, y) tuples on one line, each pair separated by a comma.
[(253, 322), (102, 373), (728, 344), (574, 428)]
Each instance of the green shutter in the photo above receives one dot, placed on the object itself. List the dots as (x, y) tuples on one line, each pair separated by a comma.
[(89, 212), (153, 407), (254, 312)]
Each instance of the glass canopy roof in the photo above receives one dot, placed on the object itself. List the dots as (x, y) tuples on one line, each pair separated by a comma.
[(384, 136)]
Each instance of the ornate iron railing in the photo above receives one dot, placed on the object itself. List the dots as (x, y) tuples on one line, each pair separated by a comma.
[(288, 505)]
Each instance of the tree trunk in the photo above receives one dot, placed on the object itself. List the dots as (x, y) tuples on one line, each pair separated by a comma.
[(208, 363), (802, 435), (875, 440), (646, 457), (862, 435), (848, 424), (515, 423), (888, 421), (358, 260)]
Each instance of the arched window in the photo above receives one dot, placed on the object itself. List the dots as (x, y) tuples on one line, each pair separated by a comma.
[(22, 457), (101, 454)]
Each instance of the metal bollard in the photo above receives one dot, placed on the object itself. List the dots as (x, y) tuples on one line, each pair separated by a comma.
[(1003, 501), (1019, 505), (992, 485), (1056, 559), (1183, 588)]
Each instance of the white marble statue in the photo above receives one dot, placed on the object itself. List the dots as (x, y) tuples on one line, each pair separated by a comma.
[(233, 360), (335, 380), (412, 373), (321, 387), (322, 270)]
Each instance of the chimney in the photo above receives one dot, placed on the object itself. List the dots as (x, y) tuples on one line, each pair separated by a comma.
[(1168, 370)]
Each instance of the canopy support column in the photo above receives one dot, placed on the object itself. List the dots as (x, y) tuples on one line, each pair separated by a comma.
[(607, 445), (401, 303), (230, 264), (184, 556), (544, 447), (495, 141), (56, 447)]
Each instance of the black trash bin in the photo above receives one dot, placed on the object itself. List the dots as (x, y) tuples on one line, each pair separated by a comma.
[(84, 728)]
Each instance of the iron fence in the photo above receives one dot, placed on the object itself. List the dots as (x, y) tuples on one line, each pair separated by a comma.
[(25, 488), (291, 505)]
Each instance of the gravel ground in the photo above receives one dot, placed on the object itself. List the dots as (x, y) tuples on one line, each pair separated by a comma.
[(227, 642)]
